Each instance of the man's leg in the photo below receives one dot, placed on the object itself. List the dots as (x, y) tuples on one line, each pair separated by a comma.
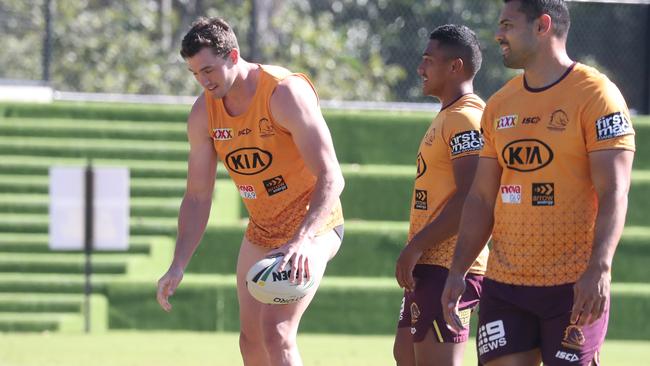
[(251, 340), (568, 344), (273, 328), (528, 358), (403, 347), (430, 352), (280, 322), (508, 329), (434, 343)]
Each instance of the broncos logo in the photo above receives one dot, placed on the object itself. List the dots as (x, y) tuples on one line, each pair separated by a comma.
[(559, 120), (573, 337)]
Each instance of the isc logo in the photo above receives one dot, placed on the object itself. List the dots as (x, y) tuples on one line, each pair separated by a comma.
[(248, 160), (571, 357), (527, 155)]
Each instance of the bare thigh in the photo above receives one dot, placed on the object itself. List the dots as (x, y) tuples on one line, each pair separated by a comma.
[(430, 352), (253, 314), (528, 358)]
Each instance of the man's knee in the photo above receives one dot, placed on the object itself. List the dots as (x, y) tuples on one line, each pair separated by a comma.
[(278, 336), (249, 342), (403, 348)]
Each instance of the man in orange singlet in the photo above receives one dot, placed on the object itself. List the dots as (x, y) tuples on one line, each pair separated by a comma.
[(265, 124), (446, 162), (551, 186)]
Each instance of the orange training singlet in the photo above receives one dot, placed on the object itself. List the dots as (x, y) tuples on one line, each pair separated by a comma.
[(546, 206), (265, 165), (454, 133)]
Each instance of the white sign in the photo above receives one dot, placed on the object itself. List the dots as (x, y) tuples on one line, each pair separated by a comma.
[(110, 208)]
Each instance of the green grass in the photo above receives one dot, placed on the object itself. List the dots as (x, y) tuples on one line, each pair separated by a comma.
[(207, 349)]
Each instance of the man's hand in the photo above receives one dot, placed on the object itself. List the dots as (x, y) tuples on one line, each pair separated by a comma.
[(405, 265), (454, 289), (296, 253), (590, 294), (166, 287)]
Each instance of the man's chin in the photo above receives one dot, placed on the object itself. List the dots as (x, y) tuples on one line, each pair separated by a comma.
[(215, 94)]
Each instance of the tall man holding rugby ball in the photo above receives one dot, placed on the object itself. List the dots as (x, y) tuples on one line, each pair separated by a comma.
[(265, 124)]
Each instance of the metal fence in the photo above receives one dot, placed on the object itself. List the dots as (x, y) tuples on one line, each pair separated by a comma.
[(352, 49)]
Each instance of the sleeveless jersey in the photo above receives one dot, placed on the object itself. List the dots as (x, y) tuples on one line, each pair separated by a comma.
[(546, 206), (454, 133), (265, 165)]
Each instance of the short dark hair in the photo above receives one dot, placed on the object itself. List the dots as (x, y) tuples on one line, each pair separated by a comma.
[(212, 33), (556, 9), (461, 42)]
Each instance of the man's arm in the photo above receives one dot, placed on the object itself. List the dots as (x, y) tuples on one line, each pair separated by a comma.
[(443, 227), (610, 173), (195, 207), (294, 106), (475, 229)]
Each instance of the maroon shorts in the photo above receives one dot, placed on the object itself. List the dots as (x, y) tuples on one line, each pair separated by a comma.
[(516, 319), (421, 309)]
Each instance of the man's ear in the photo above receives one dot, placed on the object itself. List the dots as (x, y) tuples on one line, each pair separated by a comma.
[(457, 65), (233, 56), (544, 24)]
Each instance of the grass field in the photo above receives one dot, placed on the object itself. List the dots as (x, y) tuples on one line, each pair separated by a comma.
[(216, 349)]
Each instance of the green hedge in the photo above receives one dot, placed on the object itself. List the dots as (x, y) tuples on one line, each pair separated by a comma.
[(362, 137), (642, 129), (342, 305), (102, 111), (379, 244), (94, 129), (197, 305)]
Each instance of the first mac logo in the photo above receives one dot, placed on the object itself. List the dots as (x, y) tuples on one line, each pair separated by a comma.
[(248, 160)]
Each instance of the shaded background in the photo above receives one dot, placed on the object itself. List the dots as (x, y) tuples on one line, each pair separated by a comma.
[(353, 49)]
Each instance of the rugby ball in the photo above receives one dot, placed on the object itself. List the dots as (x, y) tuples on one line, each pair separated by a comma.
[(268, 285)]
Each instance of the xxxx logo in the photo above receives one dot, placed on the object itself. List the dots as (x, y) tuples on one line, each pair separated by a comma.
[(221, 134)]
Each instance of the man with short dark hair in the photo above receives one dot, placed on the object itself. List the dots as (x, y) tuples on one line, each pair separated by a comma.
[(446, 162), (265, 124), (551, 187)]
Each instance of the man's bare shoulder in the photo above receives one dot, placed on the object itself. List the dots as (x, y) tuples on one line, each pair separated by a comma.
[(293, 87), (197, 121), (293, 99), (199, 110)]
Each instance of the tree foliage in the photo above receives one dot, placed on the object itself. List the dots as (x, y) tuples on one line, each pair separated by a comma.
[(351, 49)]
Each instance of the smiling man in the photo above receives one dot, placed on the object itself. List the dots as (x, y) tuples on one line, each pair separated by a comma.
[(446, 163), (265, 124), (551, 187)]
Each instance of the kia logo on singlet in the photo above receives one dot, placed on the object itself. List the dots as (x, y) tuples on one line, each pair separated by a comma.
[(527, 155), (248, 160)]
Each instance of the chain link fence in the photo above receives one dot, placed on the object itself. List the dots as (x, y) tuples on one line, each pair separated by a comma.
[(353, 49)]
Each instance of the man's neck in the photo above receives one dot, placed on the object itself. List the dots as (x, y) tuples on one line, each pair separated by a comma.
[(452, 93), (547, 68), (243, 88)]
